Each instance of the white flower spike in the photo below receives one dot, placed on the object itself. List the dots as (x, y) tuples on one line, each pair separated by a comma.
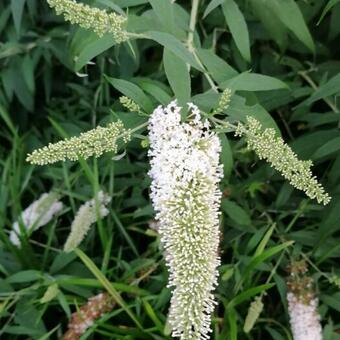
[(302, 304), (36, 215), (185, 173), (85, 217)]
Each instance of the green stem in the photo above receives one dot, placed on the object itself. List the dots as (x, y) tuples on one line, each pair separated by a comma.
[(309, 80)]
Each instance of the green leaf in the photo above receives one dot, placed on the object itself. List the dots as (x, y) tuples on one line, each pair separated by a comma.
[(212, 5), (149, 310), (226, 156), (232, 323), (290, 15), (327, 149), (86, 45), (235, 212), (130, 3), (4, 16), (132, 91), (165, 12), (238, 110), (106, 283), (175, 46), (24, 276), (256, 260), (238, 27), (178, 76), (331, 87), (5, 116), (247, 81), (260, 248), (332, 301), (28, 72), (275, 28), (248, 294), (17, 7), (219, 69), (156, 90), (328, 7)]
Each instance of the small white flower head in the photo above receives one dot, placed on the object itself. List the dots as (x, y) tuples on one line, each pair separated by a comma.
[(273, 149), (302, 304), (94, 142), (36, 215), (85, 217), (92, 18), (185, 173)]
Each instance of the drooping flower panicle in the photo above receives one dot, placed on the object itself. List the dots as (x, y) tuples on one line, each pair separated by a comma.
[(268, 146), (91, 143), (85, 217), (185, 173), (302, 304), (85, 317), (36, 215), (92, 18)]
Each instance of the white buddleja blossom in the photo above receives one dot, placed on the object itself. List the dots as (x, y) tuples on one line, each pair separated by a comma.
[(85, 217), (185, 173), (94, 142), (272, 148), (92, 18), (36, 215), (302, 304), (304, 318)]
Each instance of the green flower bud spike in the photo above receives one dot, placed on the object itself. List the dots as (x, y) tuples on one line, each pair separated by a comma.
[(92, 18), (91, 143), (273, 149), (129, 104)]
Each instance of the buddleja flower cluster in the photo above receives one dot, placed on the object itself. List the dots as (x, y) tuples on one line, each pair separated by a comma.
[(92, 18), (91, 143), (85, 317), (302, 304), (268, 146), (185, 173), (85, 217), (36, 215)]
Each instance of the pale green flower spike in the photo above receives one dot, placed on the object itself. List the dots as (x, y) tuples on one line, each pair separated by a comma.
[(335, 280), (36, 215), (129, 104), (92, 18), (91, 143), (268, 146), (224, 101), (50, 294), (255, 309), (85, 217)]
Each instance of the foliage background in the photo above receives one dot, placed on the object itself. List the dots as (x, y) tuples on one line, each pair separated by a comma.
[(48, 91)]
